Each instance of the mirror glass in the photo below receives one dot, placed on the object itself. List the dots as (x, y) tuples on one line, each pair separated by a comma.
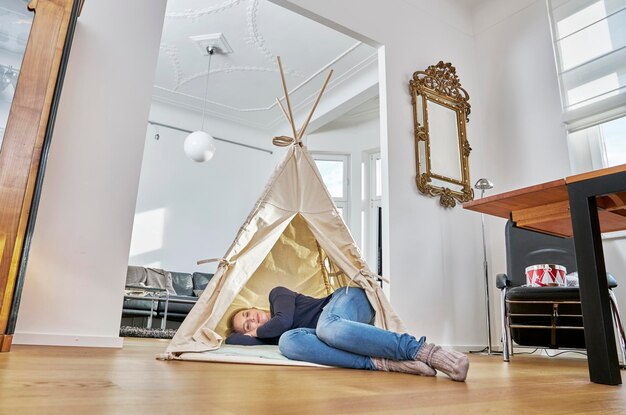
[(445, 155), (15, 24), (421, 151)]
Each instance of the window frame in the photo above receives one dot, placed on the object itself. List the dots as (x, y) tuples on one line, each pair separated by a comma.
[(343, 202)]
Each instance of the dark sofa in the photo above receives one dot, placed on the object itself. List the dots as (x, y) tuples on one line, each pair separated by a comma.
[(179, 286)]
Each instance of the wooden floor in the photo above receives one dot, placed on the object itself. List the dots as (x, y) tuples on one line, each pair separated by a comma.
[(77, 381)]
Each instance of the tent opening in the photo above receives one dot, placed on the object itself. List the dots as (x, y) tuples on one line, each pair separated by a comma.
[(296, 261)]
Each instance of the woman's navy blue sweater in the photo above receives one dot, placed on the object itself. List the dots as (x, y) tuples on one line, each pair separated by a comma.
[(289, 310)]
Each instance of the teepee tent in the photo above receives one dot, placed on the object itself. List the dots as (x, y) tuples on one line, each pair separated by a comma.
[(294, 237)]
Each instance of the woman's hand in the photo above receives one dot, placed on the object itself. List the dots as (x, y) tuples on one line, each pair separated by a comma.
[(251, 333)]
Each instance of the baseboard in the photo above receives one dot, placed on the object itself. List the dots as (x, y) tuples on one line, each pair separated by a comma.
[(43, 339), (466, 348)]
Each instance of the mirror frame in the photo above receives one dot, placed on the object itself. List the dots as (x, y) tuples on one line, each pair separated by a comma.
[(26, 145), (440, 84)]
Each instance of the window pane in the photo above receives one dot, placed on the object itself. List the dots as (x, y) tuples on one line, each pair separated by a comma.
[(614, 134), (15, 24), (362, 181), (379, 178), (332, 174)]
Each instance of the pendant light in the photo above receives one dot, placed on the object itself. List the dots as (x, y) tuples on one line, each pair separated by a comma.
[(199, 145)]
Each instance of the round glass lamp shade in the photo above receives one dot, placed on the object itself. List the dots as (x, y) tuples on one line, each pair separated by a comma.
[(199, 146)]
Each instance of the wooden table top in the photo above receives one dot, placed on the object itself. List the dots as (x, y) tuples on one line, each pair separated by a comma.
[(545, 207)]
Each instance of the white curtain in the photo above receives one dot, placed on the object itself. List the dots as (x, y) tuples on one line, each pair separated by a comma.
[(590, 48)]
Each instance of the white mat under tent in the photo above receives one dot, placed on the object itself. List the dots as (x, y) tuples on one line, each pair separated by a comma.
[(258, 355)]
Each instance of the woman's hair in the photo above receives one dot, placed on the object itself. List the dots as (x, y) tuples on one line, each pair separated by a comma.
[(230, 325)]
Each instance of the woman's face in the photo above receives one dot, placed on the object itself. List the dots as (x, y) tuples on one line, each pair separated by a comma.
[(249, 319)]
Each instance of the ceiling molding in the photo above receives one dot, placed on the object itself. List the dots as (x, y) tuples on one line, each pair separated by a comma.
[(194, 14), (257, 40), (323, 68), (244, 89), (219, 104), (210, 112), (351, 73), (273, 104), (171, 52), (226, 69)]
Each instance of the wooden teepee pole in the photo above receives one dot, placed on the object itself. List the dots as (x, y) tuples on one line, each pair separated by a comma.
[(319, 96), (280, 105), (291, 120)]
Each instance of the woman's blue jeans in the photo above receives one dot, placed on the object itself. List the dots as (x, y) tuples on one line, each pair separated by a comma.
[(344, 336)]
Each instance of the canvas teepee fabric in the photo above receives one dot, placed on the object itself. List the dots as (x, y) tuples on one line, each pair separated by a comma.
[(294, 237)]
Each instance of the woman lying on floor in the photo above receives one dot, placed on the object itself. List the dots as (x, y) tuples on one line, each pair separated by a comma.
[(337, 331)]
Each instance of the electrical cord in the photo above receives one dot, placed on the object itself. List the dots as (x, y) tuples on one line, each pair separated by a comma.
[(541, 351), (485, 350)]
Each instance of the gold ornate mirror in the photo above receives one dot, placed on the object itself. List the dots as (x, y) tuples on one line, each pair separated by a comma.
[(440, 110)]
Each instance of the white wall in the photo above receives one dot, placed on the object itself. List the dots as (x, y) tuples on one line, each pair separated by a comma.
[(525, 140), (79, 253), (431, 254), (186, 210)]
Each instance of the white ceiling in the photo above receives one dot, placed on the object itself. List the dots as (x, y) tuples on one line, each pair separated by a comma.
[(243, 85), (470, 3)]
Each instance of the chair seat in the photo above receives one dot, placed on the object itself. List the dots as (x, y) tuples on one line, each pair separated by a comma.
[(541, 316), (543, 293)]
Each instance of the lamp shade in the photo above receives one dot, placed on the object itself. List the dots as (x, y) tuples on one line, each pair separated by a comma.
[(483, 184), (199, 146)]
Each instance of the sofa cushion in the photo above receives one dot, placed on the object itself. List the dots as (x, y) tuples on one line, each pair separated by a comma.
[(201, 279), (183, 283), (543, 293)]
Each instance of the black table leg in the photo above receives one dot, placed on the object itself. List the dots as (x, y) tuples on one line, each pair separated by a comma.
[(597, 318)]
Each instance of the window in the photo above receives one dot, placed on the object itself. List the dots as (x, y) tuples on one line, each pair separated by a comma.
[(603, 145), (334, 169), (590, 48), (376, 195), (371, 208)]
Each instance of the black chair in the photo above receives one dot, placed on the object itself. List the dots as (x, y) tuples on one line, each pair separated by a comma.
[(546, 317)]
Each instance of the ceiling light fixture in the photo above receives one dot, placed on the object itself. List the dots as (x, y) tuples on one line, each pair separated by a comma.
[(200, 145)]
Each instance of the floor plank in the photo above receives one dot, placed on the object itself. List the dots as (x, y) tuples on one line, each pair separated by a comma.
[(63, 380)]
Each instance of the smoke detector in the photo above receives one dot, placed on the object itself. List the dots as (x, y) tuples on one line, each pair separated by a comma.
[(213, 40)]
